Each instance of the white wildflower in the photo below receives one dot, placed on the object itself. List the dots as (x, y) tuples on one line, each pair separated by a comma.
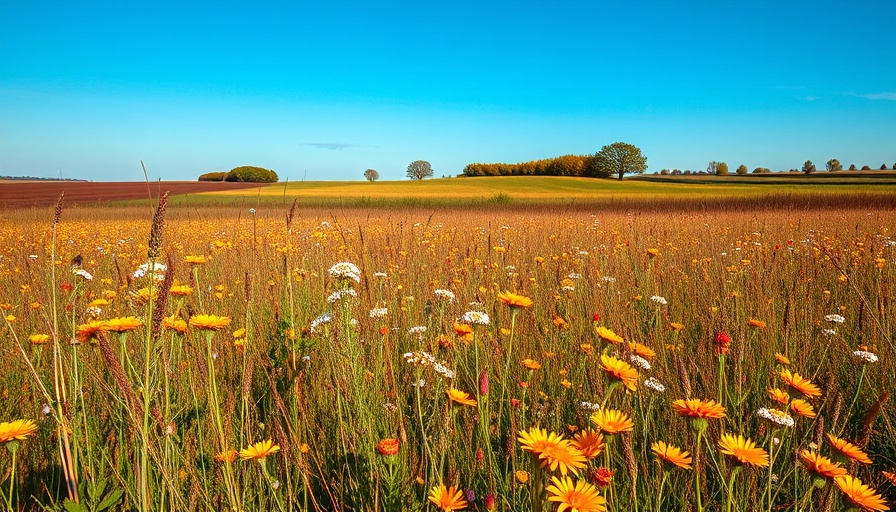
[(317, 322), (640, 362), (608, 279), (80, 272), (380, 274), (341, 294), (475, 317), (443, 370), (865, 356), (446, 295), (345, 270), (775, 416), (829, 332), (654, 384), (417, 330), (588, 406), (419, 358), (252, 211), (659, 300), (379, 312), (156, 269), (835, 318), (574, 276)]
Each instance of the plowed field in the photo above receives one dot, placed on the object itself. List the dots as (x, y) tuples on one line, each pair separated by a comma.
[(41, 193)]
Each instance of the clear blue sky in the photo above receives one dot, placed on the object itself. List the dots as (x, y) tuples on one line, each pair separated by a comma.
[(326, 90)]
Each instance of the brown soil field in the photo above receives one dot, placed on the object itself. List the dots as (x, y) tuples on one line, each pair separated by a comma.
[(14, 193)]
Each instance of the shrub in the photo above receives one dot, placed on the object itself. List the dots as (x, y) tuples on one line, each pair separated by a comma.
[(248, 173), (213, 176)]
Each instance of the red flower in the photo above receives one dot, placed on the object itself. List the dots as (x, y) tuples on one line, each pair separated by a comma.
[(595, 317), (66, 287), (722, 342)]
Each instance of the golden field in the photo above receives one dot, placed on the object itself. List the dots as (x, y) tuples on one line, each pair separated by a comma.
[(519, 358)]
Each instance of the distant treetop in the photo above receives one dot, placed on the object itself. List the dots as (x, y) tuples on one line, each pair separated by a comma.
[(245, 173)]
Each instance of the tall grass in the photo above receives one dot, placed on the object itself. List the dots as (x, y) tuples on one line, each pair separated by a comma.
[(327, 367)]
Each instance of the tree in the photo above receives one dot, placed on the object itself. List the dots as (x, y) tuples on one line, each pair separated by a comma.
[(852, 167), (866, 168), (619, 158), (833, 165), (883, 167), (742, 169), (371, 175), (419, 169), (808, 167), (722, 169)]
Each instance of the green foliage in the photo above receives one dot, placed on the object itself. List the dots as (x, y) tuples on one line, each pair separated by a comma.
[(419, 169), (833, 165), (742, 169), (252, 174), (808, 167), (94, 498), (619, 158), (213, 176), (371, 175)]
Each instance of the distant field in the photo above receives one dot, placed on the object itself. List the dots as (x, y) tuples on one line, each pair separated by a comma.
[(642, 193)]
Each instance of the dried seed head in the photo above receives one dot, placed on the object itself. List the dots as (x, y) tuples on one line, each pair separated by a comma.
[(57, 213), (158, 225)]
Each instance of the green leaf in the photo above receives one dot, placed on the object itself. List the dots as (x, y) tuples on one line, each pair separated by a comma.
[(111, 499), (71, 506)]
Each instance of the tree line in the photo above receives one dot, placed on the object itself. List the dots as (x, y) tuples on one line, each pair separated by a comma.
[(616, 159), (721, 168)]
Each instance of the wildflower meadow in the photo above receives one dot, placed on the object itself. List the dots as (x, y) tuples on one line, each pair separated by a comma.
[(290, 358)]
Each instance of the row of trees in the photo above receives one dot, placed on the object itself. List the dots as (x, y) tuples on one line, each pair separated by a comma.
[(417, 170), (617, 159), (721, 168), (244, 173)]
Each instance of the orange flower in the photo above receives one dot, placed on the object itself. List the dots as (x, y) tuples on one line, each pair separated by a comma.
[(821, 466), (460, 397), (515, 301), (756, 323), (228, 455), (123, 324), (175, 324), (861, 495), (181, 290), (259, 450), (641, 350), (90, 330), (38, 339), (447, 499), (803, 408), (589, 442), (800, 384), (209, 322), (620, 371), (575, 496), (608, 335), (612, 421), (653, 252), (778, 395), (601, 476), (531, 364), (388, 447), (17, 430), (847, 449), (744, 450), (552, 450), (696, 408), (781, 358), (889, 476), (676, 326), (195, 260), (671, 454), (463, 331)]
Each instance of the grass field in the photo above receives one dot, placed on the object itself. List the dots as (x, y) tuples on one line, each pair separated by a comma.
[(322, 352)]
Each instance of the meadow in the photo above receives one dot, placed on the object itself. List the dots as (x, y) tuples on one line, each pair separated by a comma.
[(263, 350)]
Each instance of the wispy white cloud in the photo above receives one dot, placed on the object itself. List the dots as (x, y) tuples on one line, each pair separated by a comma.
[(890, 96)]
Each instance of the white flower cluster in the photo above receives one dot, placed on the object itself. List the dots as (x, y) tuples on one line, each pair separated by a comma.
[(417, 330), (419, 358), (380, 274), (828, 332), (80, 272), (608, 279), (867, 357), (379, 312), (345, 270), (659, 300), (475, 317), (156, 269), (640, 362), (655, 385), (835, 318), (588, 406), (341, 294), (446, 295), (443, 370), (776, 416), (317, 322)]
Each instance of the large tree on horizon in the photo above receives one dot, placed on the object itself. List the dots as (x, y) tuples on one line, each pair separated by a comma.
[(619, 158), (419, 169)]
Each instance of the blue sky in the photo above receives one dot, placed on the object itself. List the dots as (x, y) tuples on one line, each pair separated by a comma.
[(325, 90)]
